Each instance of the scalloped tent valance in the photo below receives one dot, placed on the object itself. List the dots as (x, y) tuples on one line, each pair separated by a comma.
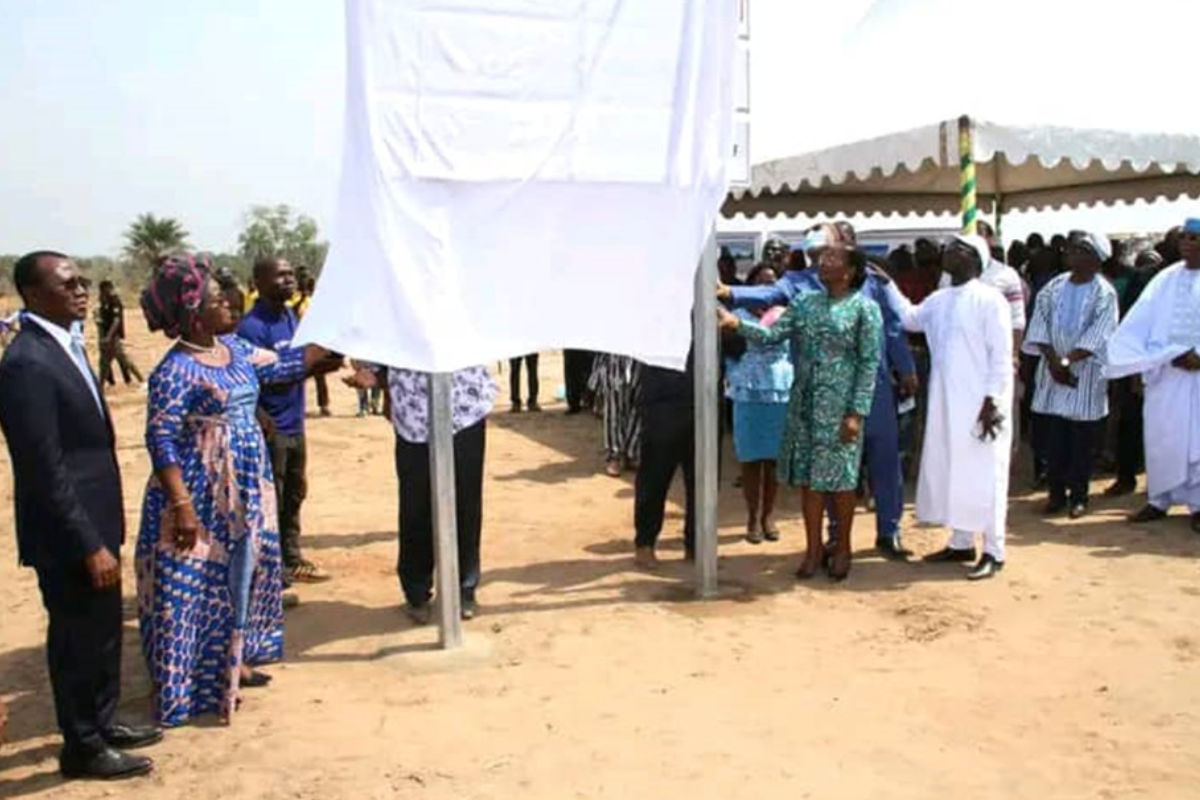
[(1018, 169)]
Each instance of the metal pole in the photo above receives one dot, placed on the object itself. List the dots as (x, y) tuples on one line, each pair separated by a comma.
[(968, 204), (707, 407), (445, 521)]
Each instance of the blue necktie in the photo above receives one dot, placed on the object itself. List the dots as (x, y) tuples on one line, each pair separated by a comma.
[(80, 355)]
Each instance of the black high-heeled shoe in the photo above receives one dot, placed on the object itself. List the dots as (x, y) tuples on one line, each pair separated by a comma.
[(255, 679), (803, 574), (835, 575)]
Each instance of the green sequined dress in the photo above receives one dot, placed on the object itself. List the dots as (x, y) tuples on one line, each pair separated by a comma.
[(836, 347)]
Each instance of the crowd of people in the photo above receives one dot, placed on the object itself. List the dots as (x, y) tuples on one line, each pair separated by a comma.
[(821, 365)]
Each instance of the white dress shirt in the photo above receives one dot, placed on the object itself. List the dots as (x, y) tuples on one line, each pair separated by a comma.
[(71, 341)]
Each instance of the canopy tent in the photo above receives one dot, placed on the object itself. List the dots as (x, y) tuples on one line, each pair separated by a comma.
[(1018, 169)]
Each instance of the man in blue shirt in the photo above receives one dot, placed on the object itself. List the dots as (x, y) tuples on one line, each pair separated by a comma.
[(271, 324), (881, 439)]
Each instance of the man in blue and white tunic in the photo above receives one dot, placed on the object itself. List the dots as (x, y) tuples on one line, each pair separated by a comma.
[(1073, 319)]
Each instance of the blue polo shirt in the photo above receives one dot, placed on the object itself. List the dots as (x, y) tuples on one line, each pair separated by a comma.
[(270, 331)]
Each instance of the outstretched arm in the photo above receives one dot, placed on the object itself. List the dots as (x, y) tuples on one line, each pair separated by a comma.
[(759, 297), (910, 316), (789, 324)]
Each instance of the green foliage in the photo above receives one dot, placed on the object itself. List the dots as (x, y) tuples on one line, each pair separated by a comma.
[(269, 231), (275, 231), (148, 238)]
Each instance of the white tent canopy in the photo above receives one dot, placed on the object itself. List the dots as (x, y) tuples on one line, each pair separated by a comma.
[(1017, 168)]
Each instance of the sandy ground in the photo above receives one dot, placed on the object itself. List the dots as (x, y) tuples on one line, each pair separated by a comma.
[(1073, 675)]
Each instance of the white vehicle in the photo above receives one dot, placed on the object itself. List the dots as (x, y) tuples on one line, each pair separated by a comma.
[(744, 239)]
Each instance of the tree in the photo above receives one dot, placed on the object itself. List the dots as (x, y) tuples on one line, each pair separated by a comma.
[(273, 231), (149, 238)]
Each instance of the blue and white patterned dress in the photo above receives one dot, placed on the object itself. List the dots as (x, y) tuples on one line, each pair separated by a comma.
[(205, 612), (759, 384)]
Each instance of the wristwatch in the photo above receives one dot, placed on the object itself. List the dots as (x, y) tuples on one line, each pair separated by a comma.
[(1064, 362)]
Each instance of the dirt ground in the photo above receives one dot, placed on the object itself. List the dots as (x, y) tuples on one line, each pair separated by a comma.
[(1072, 675)]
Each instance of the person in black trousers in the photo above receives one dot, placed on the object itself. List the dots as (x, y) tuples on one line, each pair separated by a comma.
[(473, 394), (577, 369), (668, 443), (514, 382), (1127, 392), (69, 516)]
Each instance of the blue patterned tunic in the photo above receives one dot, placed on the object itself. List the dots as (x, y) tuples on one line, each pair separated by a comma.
[(205, 612)]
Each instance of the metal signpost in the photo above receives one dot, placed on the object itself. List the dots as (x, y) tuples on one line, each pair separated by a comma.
[(706, 344), (706, 374), (445, 518)]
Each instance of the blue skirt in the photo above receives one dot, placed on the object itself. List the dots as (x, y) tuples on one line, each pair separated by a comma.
[(758, 430)]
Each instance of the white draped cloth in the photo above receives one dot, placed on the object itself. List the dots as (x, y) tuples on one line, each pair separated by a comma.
[(1163, 324), (520, 175), (964, 481)]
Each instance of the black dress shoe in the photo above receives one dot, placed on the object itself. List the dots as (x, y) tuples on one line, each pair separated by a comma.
[(420, 614), (986, 568), (1077, 510), (1120, 489), (1054, 506), (105, 765), (892, 550), (951, 555), (1148, 513), (469, 609), (131, 737)]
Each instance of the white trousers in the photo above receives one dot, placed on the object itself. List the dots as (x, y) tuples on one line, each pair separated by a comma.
[(1179, 496), (993, 541)]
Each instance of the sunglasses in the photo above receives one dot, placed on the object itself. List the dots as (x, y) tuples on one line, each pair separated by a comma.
[(76, 283)]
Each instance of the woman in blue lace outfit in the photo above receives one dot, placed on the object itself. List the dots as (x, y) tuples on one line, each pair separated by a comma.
[(208, 561)]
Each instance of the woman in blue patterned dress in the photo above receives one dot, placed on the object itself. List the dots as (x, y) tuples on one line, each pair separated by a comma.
[(759, 384), (835, 338), (208, 558)]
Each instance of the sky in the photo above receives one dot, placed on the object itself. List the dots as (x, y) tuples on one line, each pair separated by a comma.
[(198, 109)]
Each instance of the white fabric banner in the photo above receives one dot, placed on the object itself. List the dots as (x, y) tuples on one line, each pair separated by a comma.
[(520, 175)]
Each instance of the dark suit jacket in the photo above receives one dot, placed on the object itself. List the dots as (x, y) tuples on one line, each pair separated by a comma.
[(65, 475)]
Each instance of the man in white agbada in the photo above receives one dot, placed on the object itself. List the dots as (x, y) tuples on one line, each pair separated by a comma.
[(1159, 339), (964, 461)]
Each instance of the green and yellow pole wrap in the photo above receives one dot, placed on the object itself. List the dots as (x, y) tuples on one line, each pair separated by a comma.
[(968, 204)]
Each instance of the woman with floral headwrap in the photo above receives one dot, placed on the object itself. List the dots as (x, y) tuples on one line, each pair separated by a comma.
[(208, 558)]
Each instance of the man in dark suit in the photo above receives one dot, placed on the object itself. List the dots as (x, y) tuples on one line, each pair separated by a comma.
[(69, 515)]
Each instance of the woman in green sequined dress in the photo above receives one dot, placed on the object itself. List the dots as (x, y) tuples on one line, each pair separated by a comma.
[(835, 339)]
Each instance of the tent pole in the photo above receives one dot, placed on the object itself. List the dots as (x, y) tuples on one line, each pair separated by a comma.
[(445, 518), (707, 408), (998, 193), (968, 202)]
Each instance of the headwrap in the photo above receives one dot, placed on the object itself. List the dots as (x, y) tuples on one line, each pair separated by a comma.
[(829, 234), (176, 291), (979, 245), (1098, 244), (1192, 225), (1148, 259)]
